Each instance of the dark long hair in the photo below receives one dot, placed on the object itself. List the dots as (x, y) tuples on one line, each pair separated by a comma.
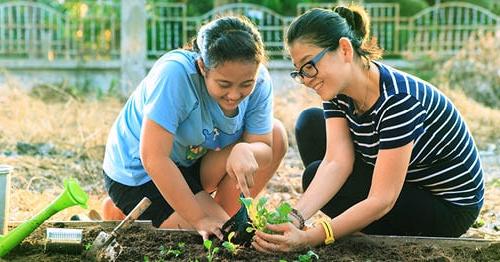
[(324, 28), (229, 39)]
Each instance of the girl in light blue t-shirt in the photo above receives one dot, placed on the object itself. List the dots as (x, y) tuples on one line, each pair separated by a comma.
[(200, 122)]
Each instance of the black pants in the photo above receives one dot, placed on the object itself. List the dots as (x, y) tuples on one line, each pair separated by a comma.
[(127, 197), (416, 212)]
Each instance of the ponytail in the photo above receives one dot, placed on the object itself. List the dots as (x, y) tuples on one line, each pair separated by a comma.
[(324, 28)]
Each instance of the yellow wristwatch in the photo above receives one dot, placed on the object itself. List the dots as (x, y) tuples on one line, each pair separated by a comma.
[(329, 239)]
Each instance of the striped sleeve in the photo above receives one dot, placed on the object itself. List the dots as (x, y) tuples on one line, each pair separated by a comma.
[(401, 121), (334, 108)]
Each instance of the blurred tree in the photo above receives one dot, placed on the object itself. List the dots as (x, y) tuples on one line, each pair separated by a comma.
[(483, 3), (281, 7), (194, 7), (406, 7), (198, 7), (224, 2)]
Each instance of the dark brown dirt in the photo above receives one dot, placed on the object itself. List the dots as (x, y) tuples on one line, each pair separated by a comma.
[(141, 241)]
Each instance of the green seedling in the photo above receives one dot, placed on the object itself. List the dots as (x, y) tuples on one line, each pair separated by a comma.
[(173, 252), (230, 246), (88, 246), (146, 259), (308, 257), (211, 252), (260, 216)]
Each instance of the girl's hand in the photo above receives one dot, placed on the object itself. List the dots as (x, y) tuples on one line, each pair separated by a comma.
[(208, 226), (242, 165), (287, 238)]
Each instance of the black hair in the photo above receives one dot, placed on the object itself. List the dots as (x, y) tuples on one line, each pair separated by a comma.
[(324, 28), (229, 39)]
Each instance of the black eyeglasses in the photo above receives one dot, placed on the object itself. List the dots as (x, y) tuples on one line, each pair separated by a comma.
[(308, 69)]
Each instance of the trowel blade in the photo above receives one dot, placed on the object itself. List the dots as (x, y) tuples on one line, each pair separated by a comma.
[(111, 252)]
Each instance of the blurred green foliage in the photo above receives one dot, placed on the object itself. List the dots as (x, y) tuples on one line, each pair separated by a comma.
[(281, 7), (406, 7), (488, 4), (288, 8)]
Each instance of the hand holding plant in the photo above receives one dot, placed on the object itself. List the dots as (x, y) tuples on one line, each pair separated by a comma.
[(284, 238)]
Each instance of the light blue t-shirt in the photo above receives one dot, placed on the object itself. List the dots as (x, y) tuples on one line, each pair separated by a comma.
[(174, 95)]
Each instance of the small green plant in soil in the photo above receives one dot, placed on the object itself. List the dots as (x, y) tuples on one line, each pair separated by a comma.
[(260, 216), (88, 246), (308, 257), (230, 246), (173, 252), (211, 251)]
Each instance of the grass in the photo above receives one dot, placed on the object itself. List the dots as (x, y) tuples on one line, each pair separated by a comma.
[(482, 121), (73, 126)]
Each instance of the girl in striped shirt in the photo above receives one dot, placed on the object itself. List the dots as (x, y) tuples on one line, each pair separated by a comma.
[(389, 153)]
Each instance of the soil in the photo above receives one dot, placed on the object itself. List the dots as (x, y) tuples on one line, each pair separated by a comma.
[(141, 242)]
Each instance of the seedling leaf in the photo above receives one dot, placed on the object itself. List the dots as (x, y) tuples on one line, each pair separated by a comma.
[(308, 257), (208, 244)]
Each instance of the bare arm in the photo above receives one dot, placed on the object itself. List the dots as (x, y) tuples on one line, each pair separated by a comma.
[(156, 145), (333, 170), (388, 179), (387, 182)]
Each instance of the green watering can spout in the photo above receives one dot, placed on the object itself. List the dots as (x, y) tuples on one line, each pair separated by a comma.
[(72, 195)]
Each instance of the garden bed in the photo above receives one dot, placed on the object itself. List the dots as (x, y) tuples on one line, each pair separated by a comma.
[(142, 242)]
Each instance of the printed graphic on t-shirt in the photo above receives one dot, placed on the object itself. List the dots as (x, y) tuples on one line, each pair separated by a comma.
[(217, 139), (195, 152)]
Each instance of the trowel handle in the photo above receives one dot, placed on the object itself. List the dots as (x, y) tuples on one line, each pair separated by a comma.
[(134, 214)]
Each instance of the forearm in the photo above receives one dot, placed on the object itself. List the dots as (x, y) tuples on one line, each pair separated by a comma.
[(352, 220), (329, 178), (171, 184)]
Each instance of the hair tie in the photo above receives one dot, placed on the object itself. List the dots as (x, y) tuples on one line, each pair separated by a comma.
[(347, 14)]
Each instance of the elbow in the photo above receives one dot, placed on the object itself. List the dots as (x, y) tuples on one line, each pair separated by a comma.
[(270, 157), (383, 205), (148, 161)]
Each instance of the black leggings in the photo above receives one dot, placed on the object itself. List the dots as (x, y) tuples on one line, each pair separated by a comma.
[(416, 212)]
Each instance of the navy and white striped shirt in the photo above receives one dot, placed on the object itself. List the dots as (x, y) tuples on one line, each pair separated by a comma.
[(444, 159)]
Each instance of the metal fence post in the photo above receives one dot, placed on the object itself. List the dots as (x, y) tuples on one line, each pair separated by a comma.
[(133, 44)]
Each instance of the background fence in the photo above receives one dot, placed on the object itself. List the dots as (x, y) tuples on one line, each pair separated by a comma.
[(37, 31), (33, 30), (37, 35)]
